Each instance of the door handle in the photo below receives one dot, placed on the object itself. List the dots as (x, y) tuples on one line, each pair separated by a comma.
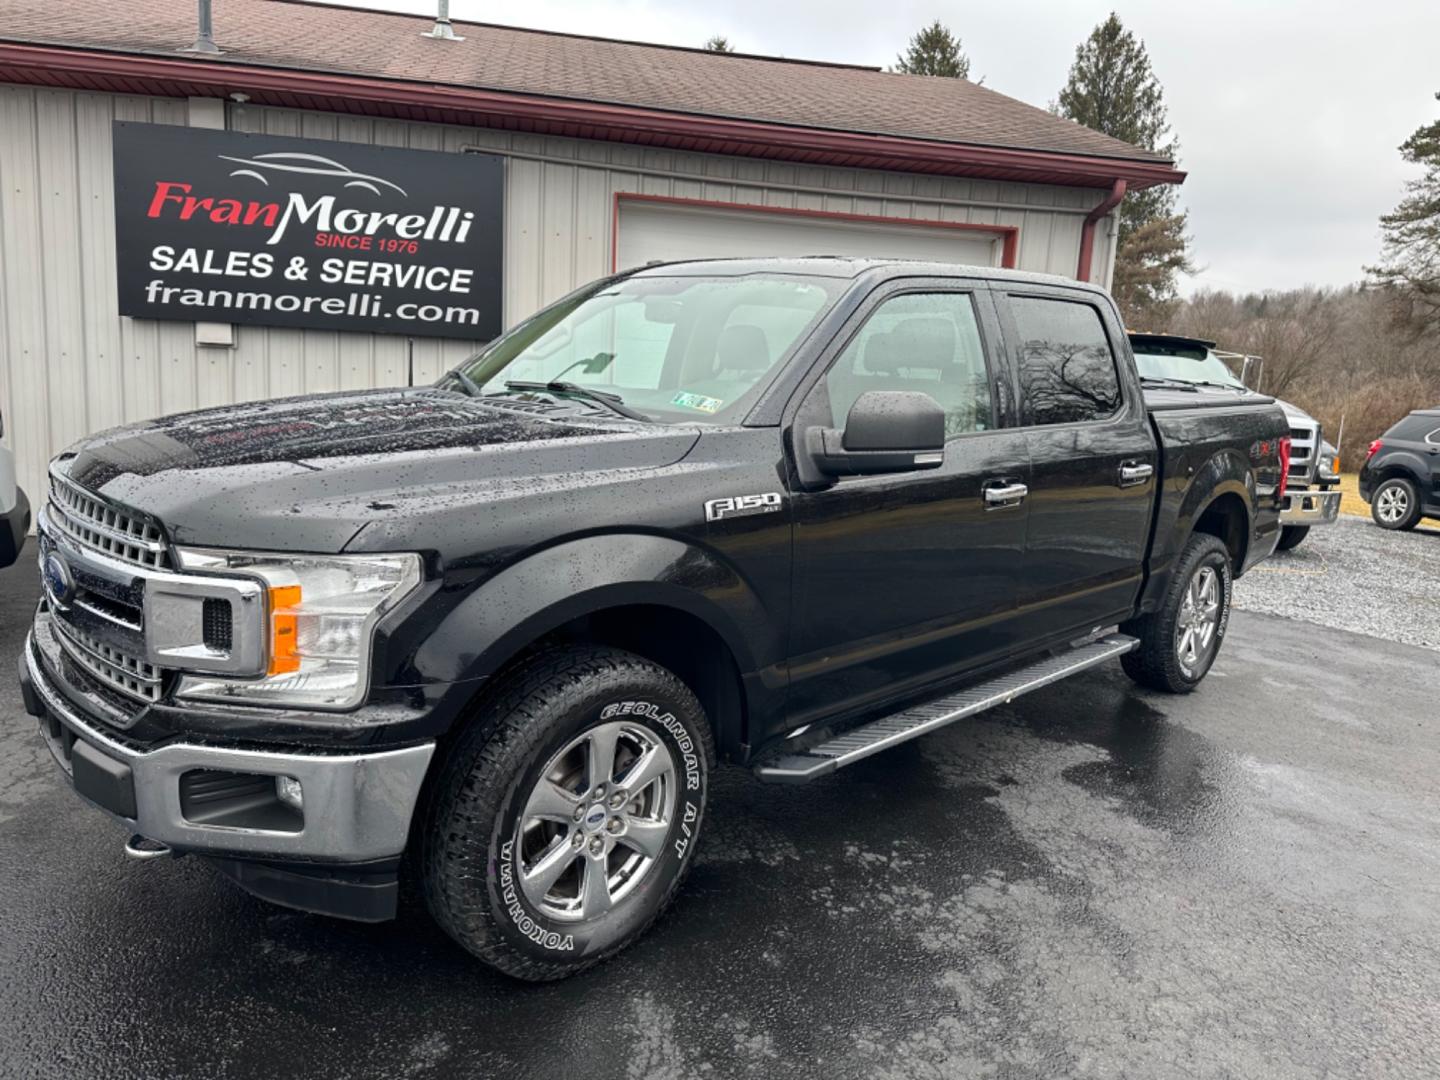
[(1135, 472), (998, 494)]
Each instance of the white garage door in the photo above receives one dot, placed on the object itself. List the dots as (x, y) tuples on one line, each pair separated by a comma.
[(660, 232)]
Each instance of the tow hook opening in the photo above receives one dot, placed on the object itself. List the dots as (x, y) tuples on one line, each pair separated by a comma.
[(143, 848)]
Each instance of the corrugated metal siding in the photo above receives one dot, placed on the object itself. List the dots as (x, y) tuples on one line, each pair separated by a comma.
[(69, 365)]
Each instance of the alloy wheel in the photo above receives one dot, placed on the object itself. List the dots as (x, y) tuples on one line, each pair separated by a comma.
[(596, 821), (1392, 504), (1198, 619)]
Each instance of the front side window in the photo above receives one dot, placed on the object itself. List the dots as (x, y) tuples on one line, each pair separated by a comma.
[(1067, 371), (670, 347), (926, 342)]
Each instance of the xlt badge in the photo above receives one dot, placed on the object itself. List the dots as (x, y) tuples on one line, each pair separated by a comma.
[(742, 505)]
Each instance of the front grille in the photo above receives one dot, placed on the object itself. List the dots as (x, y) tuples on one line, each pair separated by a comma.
[(1304, 449), (130, 675), (109, 530)]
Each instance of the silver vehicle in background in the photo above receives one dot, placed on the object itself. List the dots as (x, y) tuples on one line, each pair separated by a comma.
[(14, 507), (1312, 494)]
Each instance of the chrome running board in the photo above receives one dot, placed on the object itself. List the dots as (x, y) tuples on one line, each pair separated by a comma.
[(859, 743)]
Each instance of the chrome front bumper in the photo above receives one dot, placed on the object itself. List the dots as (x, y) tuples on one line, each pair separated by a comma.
[(1306, 507), (356, 807)]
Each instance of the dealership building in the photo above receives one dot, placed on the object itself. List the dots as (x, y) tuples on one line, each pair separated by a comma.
[(340, 198)]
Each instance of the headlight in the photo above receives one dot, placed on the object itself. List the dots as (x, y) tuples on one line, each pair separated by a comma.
[(320, 614)]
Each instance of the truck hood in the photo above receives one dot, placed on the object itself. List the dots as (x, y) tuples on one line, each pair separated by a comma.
[(307, 474), (1294, 413)]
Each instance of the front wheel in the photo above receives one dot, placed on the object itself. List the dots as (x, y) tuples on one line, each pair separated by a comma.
[(1396, 504), (565, 817), (1179, 642), (1291, 535)]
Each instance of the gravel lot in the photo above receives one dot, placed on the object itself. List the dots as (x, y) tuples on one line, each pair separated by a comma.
[(1354, 575)]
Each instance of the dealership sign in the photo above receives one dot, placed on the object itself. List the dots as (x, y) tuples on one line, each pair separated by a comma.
[(225, 226)]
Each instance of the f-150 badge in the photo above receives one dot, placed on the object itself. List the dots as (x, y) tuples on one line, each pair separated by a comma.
[(742, 505)]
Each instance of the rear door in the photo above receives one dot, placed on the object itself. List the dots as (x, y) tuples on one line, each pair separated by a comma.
[(906, 578), (1093, 460)]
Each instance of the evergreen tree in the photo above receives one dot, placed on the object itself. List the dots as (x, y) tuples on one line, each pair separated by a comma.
[(934, 51), (719, 43), (1113, 89), (1410, 246)]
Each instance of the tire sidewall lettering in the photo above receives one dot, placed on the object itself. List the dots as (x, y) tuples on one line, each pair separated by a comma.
[(540, 934), (1225, 580)]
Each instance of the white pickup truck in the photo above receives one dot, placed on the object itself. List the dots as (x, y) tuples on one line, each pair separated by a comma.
[(14, 507), (1312, 494)]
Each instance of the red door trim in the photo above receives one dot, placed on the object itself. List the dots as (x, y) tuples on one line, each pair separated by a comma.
[(1008, 235)]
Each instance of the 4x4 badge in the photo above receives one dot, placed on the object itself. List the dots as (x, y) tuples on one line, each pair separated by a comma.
[(742, 505)]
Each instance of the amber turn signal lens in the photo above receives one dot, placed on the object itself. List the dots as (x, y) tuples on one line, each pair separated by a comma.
[(283, 624)]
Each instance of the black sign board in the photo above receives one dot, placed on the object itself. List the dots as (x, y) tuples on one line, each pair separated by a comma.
[(225, 226)]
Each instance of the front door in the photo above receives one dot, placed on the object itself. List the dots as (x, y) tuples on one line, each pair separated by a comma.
[(905, 578), (1093, 462)]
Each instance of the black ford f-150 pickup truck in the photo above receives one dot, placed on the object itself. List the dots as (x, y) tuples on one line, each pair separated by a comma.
[(783, 513)]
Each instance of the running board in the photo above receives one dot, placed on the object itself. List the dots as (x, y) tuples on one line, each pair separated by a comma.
[(871, 738)]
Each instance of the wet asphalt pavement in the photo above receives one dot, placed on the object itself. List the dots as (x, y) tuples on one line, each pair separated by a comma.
[(1095, 882)]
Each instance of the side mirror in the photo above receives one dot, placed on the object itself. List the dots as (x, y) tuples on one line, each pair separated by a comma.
[(887, 431)]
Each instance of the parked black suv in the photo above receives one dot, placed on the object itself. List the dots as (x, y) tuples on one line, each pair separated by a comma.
[(1401, 476), (784, 513)]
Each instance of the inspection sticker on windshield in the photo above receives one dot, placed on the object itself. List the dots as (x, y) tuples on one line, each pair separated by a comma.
[(697, 401)]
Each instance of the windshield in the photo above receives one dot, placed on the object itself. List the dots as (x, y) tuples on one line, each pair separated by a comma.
[(668, 347), (1184, 363)]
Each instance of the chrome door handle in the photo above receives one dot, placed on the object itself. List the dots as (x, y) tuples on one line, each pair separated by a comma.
[(1002, 494), (1135, 472)]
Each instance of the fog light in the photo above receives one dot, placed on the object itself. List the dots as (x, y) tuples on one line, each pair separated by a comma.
[(288, 791)]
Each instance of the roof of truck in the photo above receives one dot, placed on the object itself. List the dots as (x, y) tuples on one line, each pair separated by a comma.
[(842, 266), (1140, 336)]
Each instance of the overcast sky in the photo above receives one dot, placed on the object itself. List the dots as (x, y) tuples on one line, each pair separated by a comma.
[(1289, 112)]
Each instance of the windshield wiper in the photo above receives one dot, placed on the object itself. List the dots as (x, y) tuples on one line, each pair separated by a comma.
[(1224, 386), (1190, 384), (614, 402), (1159, 380), (472, 389)]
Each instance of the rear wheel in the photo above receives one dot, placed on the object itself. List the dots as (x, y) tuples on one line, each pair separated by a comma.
[(1396, 504), (1291, 535), (1179, 642), (565, 817)]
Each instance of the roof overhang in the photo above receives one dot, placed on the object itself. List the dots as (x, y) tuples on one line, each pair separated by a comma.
[(174, 76)]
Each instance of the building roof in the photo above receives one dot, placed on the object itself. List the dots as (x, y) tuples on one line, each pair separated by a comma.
[(378, 62)]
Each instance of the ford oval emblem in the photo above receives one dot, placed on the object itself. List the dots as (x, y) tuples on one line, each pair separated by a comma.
[(58, 581)]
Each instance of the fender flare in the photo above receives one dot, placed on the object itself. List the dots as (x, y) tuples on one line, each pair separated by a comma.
[(1226, 472), (1414, 467), (557, 584)]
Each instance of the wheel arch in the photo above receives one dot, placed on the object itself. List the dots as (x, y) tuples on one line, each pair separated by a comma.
[(1227, 517), (1401, 466), (662, 598)]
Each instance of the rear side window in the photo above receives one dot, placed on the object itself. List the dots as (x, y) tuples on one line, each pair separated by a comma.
[(1067, 371)]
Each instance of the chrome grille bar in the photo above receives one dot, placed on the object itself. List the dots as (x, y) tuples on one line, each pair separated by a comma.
[(107, 529), (130, 675)]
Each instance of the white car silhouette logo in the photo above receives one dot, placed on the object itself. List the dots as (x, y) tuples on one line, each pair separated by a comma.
[(313, 164)]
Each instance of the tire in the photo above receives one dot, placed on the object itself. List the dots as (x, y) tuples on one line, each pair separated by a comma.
[(494, 814), (1395, 504), (1291, 536), (1160, 662)]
